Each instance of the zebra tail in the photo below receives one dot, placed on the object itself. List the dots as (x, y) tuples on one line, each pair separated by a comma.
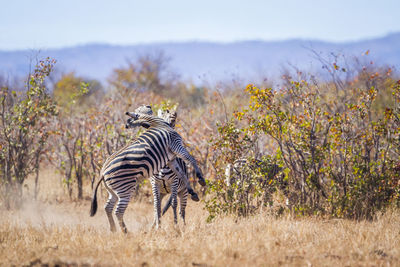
[(93, 206), (167, 205)]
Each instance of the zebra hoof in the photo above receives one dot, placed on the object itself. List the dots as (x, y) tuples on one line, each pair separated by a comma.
[(195, 197), (202, 182)]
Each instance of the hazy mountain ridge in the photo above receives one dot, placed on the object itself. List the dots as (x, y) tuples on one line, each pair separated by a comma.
[(203, 61)]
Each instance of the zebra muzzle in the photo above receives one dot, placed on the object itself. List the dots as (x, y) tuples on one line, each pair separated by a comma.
[(133, 115), (202, 182)]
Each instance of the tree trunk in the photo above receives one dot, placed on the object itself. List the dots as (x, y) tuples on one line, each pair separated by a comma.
[(37, 177), (79, 183)]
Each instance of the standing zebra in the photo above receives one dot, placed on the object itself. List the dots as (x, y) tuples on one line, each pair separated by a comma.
[(154, 149), (167, 181)]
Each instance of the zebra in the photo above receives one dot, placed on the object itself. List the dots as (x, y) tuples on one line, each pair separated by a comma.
[(166, 181), (154, 149)]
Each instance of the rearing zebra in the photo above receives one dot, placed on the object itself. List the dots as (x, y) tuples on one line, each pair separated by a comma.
[(154, 149)]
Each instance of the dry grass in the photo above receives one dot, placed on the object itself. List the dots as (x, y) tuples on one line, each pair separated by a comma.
[(57, 231)]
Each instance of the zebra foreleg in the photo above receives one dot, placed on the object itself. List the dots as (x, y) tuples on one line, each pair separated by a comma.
[(174, 207), (174, 193), (181, 152), (182, 204)]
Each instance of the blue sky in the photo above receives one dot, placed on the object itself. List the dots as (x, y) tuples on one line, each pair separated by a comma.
[(41, 24)]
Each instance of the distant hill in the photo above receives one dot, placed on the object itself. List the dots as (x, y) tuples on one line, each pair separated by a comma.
[(205, 61)]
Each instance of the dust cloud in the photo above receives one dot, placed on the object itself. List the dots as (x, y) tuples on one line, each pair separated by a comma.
[(39, 214)]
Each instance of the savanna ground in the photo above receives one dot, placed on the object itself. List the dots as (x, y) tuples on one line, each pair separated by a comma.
[(58, 232)]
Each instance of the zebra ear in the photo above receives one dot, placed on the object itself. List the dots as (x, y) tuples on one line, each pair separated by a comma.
[(173, 119)]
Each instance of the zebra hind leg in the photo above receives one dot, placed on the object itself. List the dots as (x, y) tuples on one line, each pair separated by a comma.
[(109, 207), (122, 204), (156, 203), (172, 201)]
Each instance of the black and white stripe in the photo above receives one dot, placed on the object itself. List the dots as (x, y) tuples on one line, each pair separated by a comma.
[(154, 149)]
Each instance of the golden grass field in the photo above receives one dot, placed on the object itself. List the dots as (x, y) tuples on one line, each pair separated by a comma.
[(59, 232)]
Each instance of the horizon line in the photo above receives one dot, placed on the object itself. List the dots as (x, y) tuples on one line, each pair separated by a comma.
[(160, 42)]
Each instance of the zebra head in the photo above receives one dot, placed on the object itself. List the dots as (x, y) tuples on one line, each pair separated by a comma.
[(144, 109), (168, 116), (143, 116)]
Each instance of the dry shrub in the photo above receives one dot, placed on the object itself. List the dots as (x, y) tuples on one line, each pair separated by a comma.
[(339, 155)]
